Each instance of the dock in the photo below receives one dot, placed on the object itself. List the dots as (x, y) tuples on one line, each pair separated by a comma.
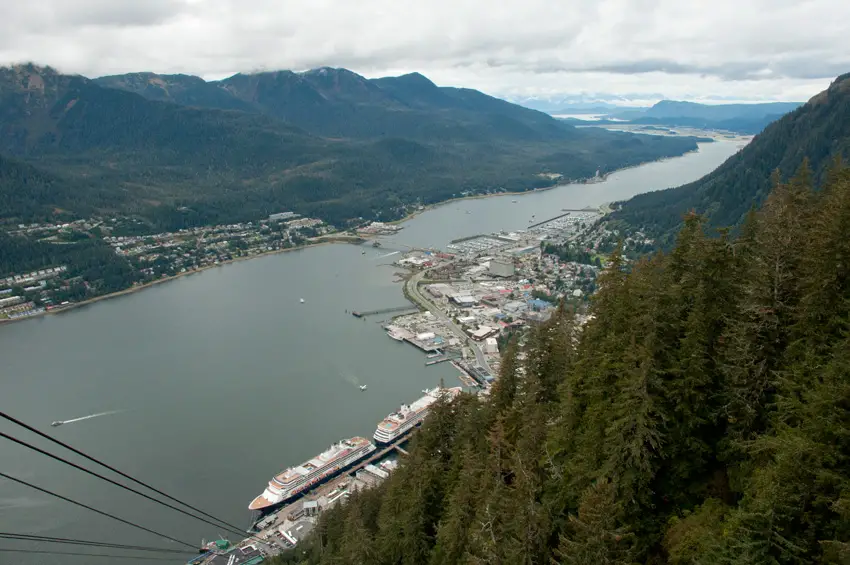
[(363, 314), (380, 454), (567, 211), (440, 360), (475, 373)]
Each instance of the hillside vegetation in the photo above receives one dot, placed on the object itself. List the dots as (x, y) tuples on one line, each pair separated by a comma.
[(339, 103), (701, 417), (818, 131), (327, 144)]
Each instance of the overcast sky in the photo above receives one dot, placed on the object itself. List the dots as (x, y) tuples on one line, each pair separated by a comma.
[(639, 49)]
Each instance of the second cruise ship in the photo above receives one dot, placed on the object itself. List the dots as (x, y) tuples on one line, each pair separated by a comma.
[(408, 416)]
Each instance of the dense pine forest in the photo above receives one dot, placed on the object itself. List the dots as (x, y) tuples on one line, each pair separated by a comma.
[(702, 416)]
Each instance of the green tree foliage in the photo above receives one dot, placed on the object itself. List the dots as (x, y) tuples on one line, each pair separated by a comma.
[(571, 253), (91, 259), (702, 416), (594, 536)]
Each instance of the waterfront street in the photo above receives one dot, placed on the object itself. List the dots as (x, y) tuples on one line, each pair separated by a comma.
[(412, 289)]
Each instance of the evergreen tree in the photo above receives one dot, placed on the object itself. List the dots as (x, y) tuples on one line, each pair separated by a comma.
[(454, 529), (595, 536)]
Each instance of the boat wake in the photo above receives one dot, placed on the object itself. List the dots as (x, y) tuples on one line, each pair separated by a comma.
[(387, 255), (90, 416), (349, 378)]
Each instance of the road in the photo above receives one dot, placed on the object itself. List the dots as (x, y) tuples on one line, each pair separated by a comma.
[(412, 287)]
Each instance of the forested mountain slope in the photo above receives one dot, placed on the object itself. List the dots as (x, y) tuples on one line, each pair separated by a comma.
[(700, 417), (340, 103), (35, 195), (818, 130), (177, 165), (186, 90)]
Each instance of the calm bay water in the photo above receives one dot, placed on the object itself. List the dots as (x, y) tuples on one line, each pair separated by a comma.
[(223, 378), (438, 226)]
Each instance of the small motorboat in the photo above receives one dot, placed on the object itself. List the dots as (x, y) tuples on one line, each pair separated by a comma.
[(302, 301), (362, 387), (57, 423), (363, 253)]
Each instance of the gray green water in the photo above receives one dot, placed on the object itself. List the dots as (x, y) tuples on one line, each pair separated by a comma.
[(224, 377)]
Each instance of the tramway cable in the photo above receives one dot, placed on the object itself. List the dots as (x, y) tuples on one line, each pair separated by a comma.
[(113, 469), (95, 510), (81, 554), (70, 541), (116, 483)]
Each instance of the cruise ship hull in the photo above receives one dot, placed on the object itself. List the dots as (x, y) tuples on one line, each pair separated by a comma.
[(399, 424), (278, 493), (389, 441)]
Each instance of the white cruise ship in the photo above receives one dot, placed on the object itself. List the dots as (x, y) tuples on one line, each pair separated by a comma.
[(409, 415), (296, 480)]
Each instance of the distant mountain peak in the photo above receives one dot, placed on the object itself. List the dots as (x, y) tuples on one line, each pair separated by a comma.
[(417, 78), (841, 84), (322, 71), (32, 68), (839, 87), (30, 75), (275, 73)]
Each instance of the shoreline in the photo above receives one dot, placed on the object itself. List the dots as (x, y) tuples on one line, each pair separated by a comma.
[(321, 240), (588, 180)]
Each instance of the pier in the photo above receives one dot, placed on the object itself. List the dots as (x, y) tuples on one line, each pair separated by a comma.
[(359, 314), (538, 224), (380, 454), (558, 217), (441, 360)]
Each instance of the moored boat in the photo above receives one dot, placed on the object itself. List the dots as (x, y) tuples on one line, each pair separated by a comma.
[(296, 480), (409, 416)]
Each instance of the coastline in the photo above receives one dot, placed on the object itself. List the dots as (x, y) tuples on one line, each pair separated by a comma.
[(542, 189), (326, 239), (321, 240)]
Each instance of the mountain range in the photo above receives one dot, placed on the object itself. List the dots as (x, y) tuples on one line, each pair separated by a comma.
[(738, 118), (178, 150), (672, 109), (339, 103), (818, 131)]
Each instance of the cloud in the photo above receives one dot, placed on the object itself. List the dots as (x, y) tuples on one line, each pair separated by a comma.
[(59, 16), (723, 49)]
